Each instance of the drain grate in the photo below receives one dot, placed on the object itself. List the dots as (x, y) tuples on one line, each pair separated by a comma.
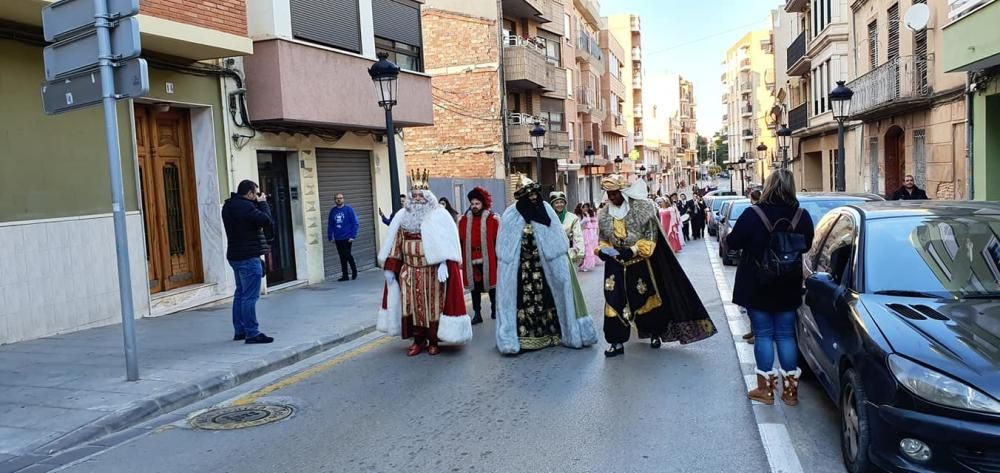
[(241, 417)]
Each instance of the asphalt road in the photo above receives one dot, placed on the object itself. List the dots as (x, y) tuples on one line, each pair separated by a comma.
[(677, 409)]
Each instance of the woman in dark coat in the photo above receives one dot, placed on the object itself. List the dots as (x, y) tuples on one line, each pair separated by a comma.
[(771, 305)]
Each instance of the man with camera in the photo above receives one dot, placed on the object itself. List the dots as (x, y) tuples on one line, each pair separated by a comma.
[(246, 216)]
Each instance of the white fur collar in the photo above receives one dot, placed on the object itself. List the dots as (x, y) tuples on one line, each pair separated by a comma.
[(440, 237)]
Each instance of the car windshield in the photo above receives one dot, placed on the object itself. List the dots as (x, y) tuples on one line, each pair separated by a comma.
[(717, 204), (819, 207), (737, 210), (951, 257)]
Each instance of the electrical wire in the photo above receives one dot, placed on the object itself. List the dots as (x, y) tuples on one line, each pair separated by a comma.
[(703, 38)]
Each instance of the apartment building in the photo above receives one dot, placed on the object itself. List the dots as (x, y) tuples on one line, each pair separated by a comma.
[(747, 82), (784, 31), (688, 121), (628, 30), (55, 219), (912, 112), (614, 132), (307, 141), (972, 45)]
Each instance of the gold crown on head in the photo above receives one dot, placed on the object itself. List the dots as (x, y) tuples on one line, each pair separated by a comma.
[(420, 180)]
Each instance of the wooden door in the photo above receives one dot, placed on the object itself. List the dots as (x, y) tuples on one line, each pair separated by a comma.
[(169, 198), (895, 160)]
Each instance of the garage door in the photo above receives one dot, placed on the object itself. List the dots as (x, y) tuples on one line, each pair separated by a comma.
[(347, 172)]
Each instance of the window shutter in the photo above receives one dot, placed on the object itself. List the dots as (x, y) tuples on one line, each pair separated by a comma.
[(334, 23), (397, 20)]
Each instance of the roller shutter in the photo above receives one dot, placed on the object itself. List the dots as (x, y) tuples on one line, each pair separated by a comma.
[(347, 172), (335, 23), (398, 20)]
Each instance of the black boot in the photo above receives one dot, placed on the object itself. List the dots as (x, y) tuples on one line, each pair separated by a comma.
[(477, 319), (655, 343), (615, 350)]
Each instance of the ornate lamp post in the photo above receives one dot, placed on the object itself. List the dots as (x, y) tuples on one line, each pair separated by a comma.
[(618, 164), (840, 99), (588, 157), (761, 158), (538, 144), (784, 137), (743, 167), (384, 75)]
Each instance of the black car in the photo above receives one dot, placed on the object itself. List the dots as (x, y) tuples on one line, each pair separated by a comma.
[(901, 325), (816, 203), (731, 212)]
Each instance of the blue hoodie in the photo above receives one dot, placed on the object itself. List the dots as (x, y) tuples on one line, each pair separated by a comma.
[(343, 224)]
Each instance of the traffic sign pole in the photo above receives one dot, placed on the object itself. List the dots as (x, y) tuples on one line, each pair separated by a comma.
[(106, 59)]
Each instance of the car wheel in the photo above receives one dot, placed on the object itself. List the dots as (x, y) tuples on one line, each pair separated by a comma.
[(854, 434)]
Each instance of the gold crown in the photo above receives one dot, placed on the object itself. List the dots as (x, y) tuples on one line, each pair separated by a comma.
[(420, 181)]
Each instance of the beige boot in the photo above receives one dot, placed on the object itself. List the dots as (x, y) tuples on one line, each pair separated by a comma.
[(765, 387), (790, 386)]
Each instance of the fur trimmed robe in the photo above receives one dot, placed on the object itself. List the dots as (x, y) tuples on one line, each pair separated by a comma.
[(441, 247), (553, 246)]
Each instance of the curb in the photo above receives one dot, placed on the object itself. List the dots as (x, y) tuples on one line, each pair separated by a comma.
[(774, 436), (186, 394)]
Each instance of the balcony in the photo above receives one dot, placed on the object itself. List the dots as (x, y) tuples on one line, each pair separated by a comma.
[(745, 65), (586, 100), (554, 16), (966, 48), (798, 62), (588, 50), (636, 54), (725, 117), (591, 11), (798, 117), (537, 10), (637, 112), (746, 88), (525, 65), (896, 87), (519, 139), (637, 138), (725, 98), (747, 134), (556, 82), (958, 9), (615, 123), (796, 6), (278, 93), (636, 26), (637, 82), (746, 111)]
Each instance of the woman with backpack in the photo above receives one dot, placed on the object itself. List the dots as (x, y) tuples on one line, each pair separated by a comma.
[(773, 235)]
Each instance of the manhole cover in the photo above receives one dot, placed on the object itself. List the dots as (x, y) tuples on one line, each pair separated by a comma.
[(241, 417)]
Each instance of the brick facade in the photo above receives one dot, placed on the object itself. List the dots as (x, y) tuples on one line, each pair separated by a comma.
[(229, 16), (461, 53)]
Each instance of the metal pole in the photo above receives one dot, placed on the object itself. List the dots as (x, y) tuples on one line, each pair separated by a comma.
[(841, 168), (117, 187), (390, 136), (538, 165), (590, 183)]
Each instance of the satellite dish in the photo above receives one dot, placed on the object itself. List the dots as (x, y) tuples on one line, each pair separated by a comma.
[(917, 16)]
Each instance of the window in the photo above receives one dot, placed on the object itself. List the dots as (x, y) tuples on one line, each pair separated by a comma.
[(404, 55), (838, 249), (919, 157), (873, 45), (334, 23), (873, 164), (833, 168), (553, 50), (572, 142), (892, 23), (554, 120), (822, 15), (821, 230)]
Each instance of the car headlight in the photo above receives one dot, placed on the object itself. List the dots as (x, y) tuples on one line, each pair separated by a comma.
[(940, 388)]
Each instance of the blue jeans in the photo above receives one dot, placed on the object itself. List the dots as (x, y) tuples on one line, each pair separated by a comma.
[(248, 274), (770, 329)]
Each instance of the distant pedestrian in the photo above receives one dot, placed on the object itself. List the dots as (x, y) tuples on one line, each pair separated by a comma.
[(388, 220), (696, 211), (670, 221), (682, 207), (451, 210), (246, 216), (342, 229), (909, 191), (773, 235), (754, 196), (588, 221)]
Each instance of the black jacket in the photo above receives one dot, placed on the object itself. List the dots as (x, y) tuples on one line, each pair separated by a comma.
[(902, 194), (750, 235), (245, 223)]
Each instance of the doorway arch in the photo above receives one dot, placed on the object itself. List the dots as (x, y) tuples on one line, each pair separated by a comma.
[(895, 159)]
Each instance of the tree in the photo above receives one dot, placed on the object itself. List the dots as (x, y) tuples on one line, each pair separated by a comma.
[(721, 144), (703, 150)]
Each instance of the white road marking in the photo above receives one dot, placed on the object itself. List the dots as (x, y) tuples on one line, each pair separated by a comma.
[(778, 447)]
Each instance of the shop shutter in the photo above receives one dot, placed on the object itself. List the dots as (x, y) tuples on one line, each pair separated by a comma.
[(348, 172), (334, 23), (398, 20)]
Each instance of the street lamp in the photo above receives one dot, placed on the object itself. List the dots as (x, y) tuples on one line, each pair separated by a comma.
[(743, 166), (784, 136), (761, 158), (588, 156), (384, 75), (840, 100), (618, 164), (538, 144)]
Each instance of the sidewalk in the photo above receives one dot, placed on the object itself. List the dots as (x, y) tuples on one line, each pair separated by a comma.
[(61, 391)]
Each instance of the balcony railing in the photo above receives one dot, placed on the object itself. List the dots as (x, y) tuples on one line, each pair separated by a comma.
[(745, 64), (637, 112), (798, 117), (636, 26), (898, 84), (747, 133), (796, 52), (747, 110), (725, 97), (588, 44), (636, 54), (525, 63), (586, 98), (746, 87), (637, 82)]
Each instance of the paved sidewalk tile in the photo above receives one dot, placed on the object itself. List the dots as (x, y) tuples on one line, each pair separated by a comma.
[(61, 391)]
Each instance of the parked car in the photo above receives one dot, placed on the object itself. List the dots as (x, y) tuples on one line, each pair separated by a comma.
[(715, 207), (816, 203), (719, 192), (901, 325)]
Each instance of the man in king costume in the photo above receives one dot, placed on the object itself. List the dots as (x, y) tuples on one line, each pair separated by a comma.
[(478, 231), (423, 297), (643, 282), (535, 293)]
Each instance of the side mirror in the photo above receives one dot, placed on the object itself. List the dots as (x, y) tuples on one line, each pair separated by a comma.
[(823, 292)]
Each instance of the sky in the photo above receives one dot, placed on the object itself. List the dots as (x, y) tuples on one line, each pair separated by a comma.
[(691, 38)]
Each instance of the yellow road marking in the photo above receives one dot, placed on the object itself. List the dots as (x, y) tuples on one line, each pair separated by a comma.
[(302, 375)]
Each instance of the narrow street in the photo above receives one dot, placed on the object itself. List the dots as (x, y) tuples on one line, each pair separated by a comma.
[(678, 409)]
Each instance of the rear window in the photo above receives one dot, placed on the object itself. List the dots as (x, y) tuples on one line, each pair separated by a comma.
[(820, 207), (737, 210)]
